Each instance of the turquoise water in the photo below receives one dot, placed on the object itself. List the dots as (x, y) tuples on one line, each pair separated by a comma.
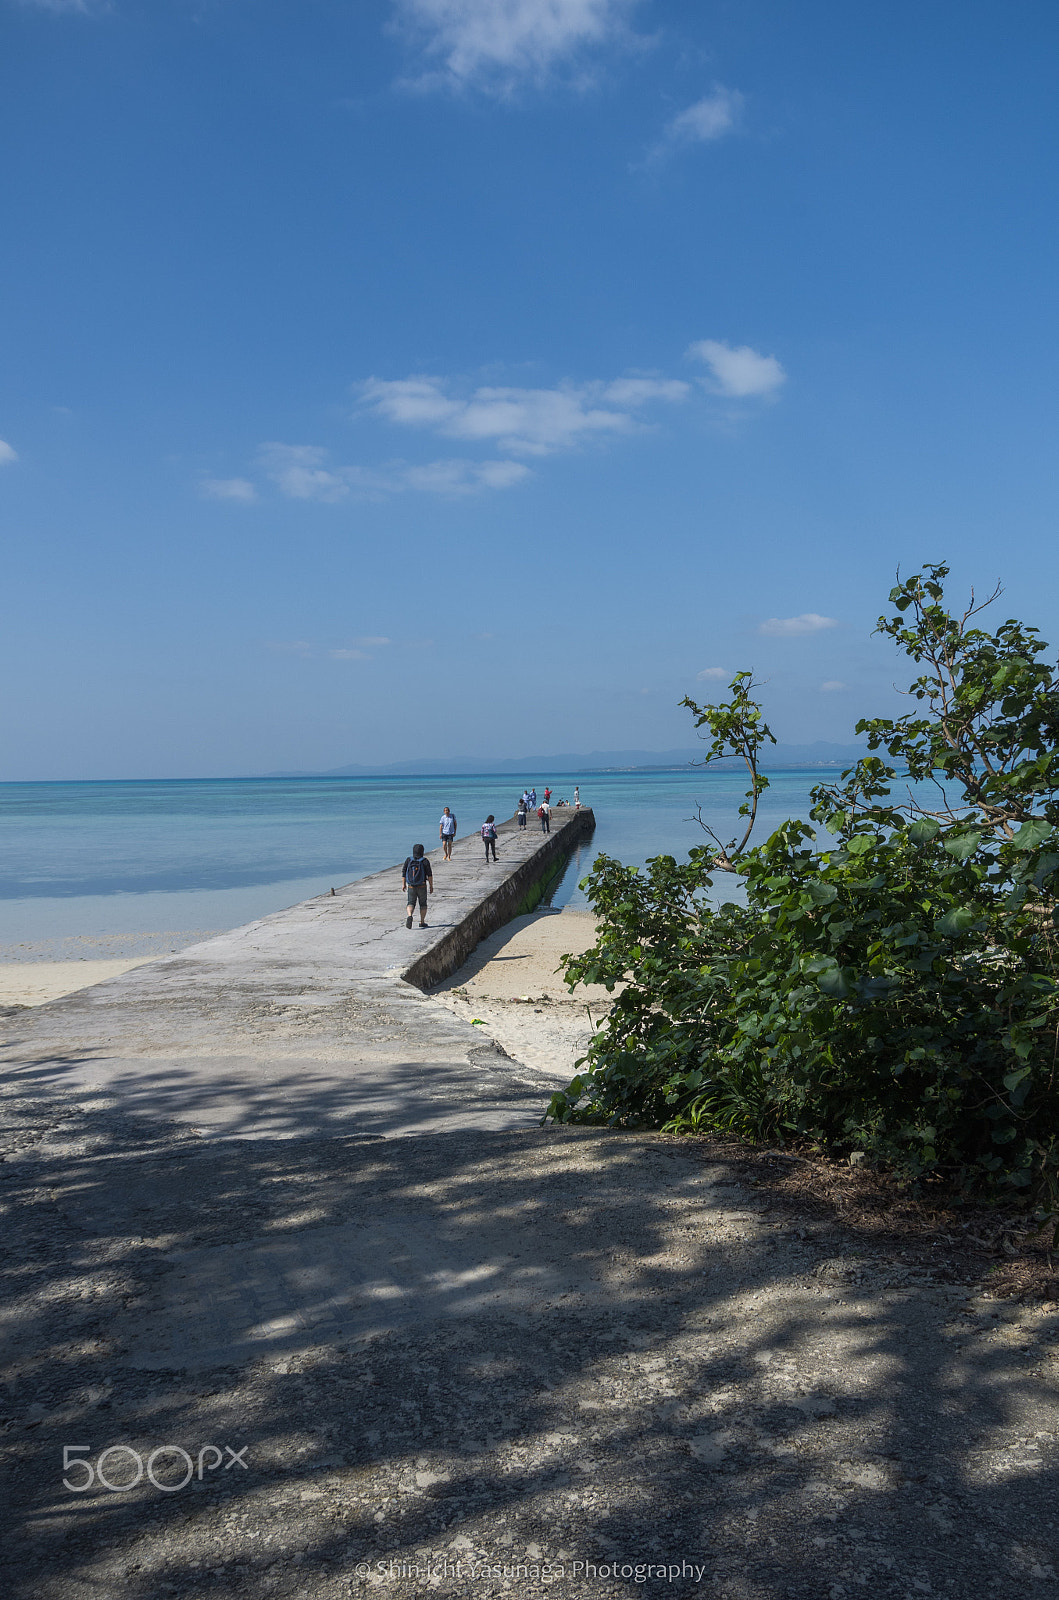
[(124, 863)]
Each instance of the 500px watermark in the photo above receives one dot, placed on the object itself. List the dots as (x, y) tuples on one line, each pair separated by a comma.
[(169, 1467), (478, 1571)]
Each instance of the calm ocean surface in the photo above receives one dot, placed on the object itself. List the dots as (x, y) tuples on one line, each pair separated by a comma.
[(124, 868)]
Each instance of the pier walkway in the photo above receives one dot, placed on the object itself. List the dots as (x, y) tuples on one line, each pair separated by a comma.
[(313, 1020)]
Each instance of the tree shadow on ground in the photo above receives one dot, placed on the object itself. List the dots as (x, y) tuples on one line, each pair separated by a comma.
[(489, 1351)]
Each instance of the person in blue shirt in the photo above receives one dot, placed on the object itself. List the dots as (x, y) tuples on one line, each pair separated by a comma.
[(447, 833)]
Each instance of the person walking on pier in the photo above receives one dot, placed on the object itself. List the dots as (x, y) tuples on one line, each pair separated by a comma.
[(489, 835), (544, 811), (416, 880), (521, 813), (447, 833)]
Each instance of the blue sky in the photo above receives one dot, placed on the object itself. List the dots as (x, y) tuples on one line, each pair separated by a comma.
[(469, 377)]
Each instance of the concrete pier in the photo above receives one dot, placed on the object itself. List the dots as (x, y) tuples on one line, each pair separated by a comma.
[(313, 1020)]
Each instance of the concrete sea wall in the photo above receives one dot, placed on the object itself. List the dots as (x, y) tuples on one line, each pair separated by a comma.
[(518, 892)]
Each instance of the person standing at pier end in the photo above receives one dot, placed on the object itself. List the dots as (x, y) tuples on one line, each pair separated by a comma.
[(416, 879), (447, 833)]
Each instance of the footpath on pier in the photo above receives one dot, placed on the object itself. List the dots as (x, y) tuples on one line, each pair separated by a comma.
[(313, 1020), (298, 1302)]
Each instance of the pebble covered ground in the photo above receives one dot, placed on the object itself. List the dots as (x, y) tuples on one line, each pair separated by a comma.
[(718, 1398)]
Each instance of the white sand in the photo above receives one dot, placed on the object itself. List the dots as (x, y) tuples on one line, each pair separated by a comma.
[(32, 983), (511, 985)]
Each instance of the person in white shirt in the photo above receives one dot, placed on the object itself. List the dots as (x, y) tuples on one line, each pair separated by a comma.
[(447, 833)]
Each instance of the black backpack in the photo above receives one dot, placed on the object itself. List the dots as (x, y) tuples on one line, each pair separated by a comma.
[(416, 871)]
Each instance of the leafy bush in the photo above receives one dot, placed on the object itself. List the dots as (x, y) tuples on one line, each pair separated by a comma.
[(890, 987)]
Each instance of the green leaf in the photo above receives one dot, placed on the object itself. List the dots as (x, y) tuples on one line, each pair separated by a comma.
[(835, 983), (954, 923), (924, 830), (961, 846), (861, 843), (1032, 834), (822, 894)]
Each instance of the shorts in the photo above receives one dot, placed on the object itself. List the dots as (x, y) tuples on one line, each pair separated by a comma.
[(417, 894)]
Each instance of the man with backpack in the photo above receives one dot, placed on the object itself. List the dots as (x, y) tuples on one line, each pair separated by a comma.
[(417, 879), (544, 811)]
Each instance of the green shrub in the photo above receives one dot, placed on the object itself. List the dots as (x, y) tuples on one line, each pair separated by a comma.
[(890, 985)]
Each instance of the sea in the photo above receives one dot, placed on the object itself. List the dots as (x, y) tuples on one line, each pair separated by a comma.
[(124, 869)]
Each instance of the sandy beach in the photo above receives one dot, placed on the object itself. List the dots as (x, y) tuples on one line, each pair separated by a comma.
[(512, 986), (33, 983)]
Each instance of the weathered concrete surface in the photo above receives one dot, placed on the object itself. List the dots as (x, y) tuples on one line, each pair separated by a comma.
[(302, 1022), (606, 1354)]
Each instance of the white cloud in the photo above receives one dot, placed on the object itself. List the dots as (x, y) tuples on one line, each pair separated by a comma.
[(290, 647), (792, 627), (228, 489), (349, 655), (66, 5), (711, 672), (831, 685), (371, 641), (7, 454), (739, 372), (463, 477), (497, 44), (709, 118), (298, 470), (532, 422)]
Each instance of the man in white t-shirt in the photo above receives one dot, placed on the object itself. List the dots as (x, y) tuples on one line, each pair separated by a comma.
[(447, 833)]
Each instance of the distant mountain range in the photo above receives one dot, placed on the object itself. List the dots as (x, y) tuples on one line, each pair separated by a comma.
[(777, 758)]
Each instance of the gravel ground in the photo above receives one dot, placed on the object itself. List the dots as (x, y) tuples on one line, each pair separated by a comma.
[(692, 1391)]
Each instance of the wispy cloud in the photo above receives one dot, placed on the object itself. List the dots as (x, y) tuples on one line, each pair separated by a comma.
[(464, 477), (356, 650), (709, 673), (708, 120), (831, 686), (738, 371), (7, 453), (228, 489), (793, 627), (290, 647), (513, 421), (498, 45), (84, 6), (534, 422), (300, 473)]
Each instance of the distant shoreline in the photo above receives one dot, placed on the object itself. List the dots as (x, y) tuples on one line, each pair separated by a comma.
[(536, 772)]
